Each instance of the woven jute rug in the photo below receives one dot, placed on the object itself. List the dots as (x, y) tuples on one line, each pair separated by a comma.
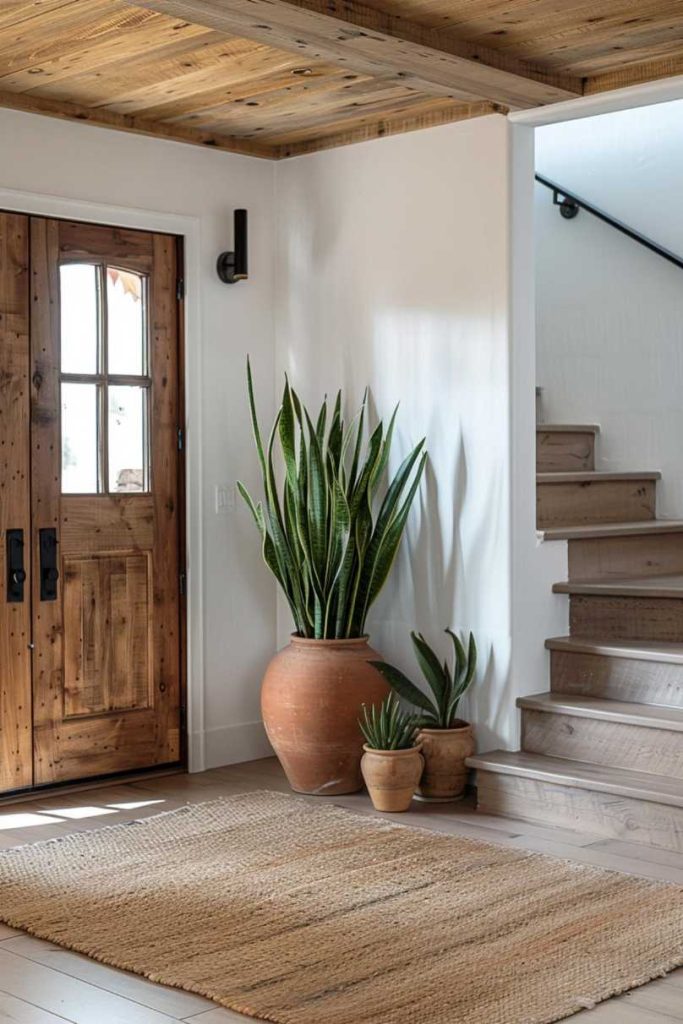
[(304, 914)]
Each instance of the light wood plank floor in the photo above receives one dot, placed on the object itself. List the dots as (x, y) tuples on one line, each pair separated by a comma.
[(43, 984)]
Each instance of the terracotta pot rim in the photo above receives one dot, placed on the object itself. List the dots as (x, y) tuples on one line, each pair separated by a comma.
[(457, 728), (306, 641), (393, 753)]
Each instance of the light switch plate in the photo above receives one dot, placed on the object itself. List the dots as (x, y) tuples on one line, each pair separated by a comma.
[(225, 499)]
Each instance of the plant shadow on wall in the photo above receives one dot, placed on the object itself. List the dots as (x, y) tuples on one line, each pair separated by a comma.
[(330, 533), (448, 554)]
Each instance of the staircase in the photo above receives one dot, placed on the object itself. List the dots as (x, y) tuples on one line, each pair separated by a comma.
[(602, 752)]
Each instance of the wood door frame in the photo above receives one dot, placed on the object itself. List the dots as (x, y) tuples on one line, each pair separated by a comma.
[(190, 485)]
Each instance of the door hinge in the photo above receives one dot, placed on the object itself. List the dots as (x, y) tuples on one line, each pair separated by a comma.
[(180, 289), (182, 583), (181, 439)]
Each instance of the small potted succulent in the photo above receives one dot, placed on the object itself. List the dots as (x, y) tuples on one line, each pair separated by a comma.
[(446, 739), (392, 762)]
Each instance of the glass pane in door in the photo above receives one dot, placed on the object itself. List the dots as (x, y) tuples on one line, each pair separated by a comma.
[(80, 317), (80, 458), (126, 327), (128, 458)]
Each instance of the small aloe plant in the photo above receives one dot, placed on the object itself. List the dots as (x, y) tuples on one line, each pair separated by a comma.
[(447, 684), (389, 727)]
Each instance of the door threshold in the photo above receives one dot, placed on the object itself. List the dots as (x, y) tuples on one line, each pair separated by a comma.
[(17, 796)]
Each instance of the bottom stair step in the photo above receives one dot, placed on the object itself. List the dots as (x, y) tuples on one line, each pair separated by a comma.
[(611, 802)]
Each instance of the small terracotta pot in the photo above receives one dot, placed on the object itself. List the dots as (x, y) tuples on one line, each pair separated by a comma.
[(391, 776), (311, 701), (444, 751)]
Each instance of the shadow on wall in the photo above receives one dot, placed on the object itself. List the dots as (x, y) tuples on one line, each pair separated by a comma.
[(429, 592)]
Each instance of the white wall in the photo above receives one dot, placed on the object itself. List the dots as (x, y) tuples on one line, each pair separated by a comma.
[(610, 313), (392, 271), (60, 168)]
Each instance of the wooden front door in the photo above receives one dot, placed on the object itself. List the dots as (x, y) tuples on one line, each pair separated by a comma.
[(102, 548)]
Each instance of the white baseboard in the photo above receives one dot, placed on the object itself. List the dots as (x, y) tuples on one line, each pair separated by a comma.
[(233, 744)]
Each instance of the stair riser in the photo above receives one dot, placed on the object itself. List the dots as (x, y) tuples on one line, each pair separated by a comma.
[(560, 452), (614, 557), (634, 747), (595, 501), (628, 679), (626, 618), (603, 814)]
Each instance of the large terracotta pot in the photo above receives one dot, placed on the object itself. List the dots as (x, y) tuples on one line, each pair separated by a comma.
[(311, 701), (391, 776), (444, 751)]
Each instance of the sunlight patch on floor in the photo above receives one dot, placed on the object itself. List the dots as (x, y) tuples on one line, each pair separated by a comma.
[(10, 821)]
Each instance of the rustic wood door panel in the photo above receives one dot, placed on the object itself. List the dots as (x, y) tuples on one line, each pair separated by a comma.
[(15, 616), (107, 619), (104, 472)]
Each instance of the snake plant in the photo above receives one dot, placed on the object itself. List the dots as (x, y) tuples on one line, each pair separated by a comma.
[(447, 684), (390, 728), (331, 530)]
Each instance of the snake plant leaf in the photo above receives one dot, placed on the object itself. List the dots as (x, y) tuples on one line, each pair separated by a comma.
[(353, 473), (437, 679), (460, 663), (254, 420), (321, 537), (317, 506), (361, 490), (466, 663), (252, 506), (378, 470), (287, 438), (380, 558), (321, 423), (340, 532), (376, 564), (401, 685), (336, 436)]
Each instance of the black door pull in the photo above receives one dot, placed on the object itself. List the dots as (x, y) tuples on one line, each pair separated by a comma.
[(49, 573), (16, 574)]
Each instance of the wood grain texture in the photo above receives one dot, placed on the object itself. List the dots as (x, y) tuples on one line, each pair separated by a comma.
[(626, 618), (378, 44), (613, 557), (598, 531), (565, 450), (616, 678), (619, 817), (126, 521), (110, 64), (15, 618), (275, 79), (107, 661), (657, 751), (107, 633), (594, 501)]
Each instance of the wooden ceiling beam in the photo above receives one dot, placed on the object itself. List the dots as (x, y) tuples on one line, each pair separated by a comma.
[(140, 126), (363, 39)]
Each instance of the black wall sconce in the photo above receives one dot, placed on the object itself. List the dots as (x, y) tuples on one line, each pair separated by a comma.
[(232, 266)]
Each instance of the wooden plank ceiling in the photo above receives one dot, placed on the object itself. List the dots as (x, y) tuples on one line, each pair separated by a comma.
[(274, 78)]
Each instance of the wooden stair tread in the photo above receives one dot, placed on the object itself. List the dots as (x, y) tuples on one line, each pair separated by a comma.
[(639, 650), (639, 586), (599, 530), (587, 476), (582, 775), (567, 428), (652, 716)]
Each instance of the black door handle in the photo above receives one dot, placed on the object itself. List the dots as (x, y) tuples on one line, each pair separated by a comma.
[(49, 573), (16, 574)]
